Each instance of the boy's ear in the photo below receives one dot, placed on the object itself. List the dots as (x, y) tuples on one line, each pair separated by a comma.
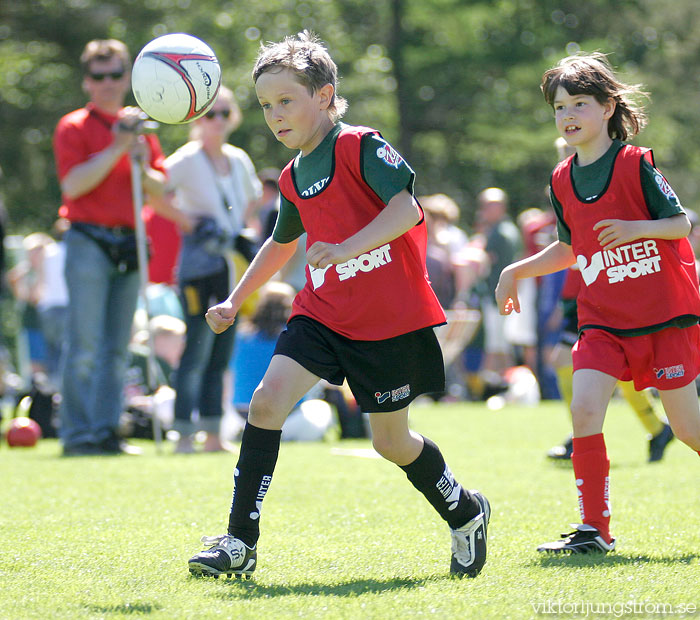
[(325, 95)]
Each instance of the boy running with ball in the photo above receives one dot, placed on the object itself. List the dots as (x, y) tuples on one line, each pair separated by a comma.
[(367, 311)]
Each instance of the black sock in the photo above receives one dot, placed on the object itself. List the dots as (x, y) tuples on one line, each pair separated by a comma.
[(432, 477), (252, 477)]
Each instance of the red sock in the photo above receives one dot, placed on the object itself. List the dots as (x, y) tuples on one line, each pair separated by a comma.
[(592, 469)]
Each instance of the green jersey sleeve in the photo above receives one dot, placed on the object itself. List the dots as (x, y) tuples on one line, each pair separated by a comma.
[(563, 230), (661, 200), (384, 170), (288, 226)]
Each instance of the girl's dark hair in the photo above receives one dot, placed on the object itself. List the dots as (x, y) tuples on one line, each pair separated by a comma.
[(592, 74), (306, 56)]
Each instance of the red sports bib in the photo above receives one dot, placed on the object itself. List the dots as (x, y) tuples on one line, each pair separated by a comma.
[(380, 294), (641, 284)]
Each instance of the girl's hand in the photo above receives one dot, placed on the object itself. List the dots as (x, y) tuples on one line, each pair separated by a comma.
[(618, 232), (507, 293)]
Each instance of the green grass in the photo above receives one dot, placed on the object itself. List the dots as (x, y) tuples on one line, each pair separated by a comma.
[(347, 537)]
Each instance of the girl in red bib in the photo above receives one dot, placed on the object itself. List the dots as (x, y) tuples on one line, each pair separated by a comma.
[(622, 224)]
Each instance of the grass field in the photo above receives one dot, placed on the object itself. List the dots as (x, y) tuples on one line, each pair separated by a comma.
[(347, 536)]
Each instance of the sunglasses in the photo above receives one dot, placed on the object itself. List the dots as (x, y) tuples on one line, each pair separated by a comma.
[(114, 75), (213, 113)]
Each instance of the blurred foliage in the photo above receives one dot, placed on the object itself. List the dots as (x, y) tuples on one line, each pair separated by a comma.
[(453, 83)]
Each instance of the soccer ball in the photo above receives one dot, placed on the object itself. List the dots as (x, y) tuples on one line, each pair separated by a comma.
[(23, 432), (176, 78)]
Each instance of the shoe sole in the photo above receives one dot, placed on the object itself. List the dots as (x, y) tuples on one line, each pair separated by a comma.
[(202, 570), (584, 549)]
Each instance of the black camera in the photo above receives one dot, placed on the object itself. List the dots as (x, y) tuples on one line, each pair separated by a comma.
[(143, 123)]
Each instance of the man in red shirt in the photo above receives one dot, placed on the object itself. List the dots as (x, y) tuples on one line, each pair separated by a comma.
[(93, 146)]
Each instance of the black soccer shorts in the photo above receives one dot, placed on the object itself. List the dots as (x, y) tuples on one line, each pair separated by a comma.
[(384, 375)]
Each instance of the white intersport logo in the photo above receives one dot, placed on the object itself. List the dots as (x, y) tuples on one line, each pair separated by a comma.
[(627, 261), (349, 269), (449, 488), (318, 275), (262, 490)]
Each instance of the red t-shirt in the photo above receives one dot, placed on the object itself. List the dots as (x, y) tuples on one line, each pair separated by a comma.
[(78, 136), (647, 284), (165, 239), (380, 294)]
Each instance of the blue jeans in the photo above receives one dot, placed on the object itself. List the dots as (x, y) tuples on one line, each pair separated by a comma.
[(100, 316), (199, 380), (53, 327)]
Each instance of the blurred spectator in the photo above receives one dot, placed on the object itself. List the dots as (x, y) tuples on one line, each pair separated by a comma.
[(3, 232), (267, 206), (146, 396), (532, 329), (538, 232), (445, 211), (164, 239), (167, 334), (94, 147), (26, 280), (256, 341), (439, 255), (215, 186), (53, 301), (255, 345), (503, 246), (454, 264)]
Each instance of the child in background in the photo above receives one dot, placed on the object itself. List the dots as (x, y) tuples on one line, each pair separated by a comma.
[(367, 311), (621, 222), (256, 340), (255, 345)]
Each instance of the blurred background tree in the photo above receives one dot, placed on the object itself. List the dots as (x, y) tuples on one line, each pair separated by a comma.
[(453, 83)]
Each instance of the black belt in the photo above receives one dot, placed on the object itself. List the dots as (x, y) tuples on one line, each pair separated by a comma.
[(117, 231)]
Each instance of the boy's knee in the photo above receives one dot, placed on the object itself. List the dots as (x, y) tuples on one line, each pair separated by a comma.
[(384, 447), (263, 406)]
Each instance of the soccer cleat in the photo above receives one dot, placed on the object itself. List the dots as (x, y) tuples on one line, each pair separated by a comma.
[(586, 539), (658, 443), (469, 541), (227, 555), (563, 452)]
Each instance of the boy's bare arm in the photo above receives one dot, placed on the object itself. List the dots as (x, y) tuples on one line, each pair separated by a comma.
[(271, 257), (618, 232), (555, 257), (400, 215)]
